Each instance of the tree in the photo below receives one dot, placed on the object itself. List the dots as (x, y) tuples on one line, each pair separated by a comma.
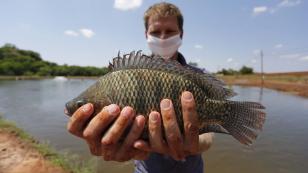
[(246, 70), (15, 61)]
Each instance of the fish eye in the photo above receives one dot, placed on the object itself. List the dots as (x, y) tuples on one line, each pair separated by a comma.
[(80, 103)]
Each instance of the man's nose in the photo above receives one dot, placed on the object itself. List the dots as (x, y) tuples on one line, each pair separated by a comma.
[(163, 35)]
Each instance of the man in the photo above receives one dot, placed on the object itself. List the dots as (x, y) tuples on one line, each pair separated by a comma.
[(178, 153)]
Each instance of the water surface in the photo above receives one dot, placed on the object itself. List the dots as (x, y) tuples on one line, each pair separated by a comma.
[(37, 107)]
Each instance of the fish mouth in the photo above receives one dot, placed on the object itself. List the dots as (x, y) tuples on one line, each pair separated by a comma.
[(66, 110)]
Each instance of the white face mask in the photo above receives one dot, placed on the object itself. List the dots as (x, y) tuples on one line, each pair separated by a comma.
[(164, 47)]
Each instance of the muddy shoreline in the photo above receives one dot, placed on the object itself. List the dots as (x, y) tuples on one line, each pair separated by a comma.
[(21, 153), (297, 85)]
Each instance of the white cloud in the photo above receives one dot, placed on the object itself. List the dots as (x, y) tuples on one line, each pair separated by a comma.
[(229, 60), (254, 61), (290, 56), (305, 58), (278, 46), (71, 33), (273, 9), (88, 33), (259, 10), (198, 46), (289, 3), (285, 4), (127, 4)]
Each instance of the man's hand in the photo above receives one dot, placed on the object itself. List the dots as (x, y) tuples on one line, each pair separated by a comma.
[(176, 146), (103, 142)]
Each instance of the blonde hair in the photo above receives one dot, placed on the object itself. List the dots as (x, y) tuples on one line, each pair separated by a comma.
[(163, 9)]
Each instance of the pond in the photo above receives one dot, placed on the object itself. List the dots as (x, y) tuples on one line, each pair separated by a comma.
[(37, 107)]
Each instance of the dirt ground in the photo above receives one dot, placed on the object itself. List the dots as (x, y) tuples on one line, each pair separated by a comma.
[(17, 156), (294, 83)]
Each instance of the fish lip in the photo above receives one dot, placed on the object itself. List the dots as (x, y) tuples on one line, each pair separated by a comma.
[(66, 112)]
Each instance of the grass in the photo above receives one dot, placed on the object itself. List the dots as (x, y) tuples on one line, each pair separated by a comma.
[(67, 161)]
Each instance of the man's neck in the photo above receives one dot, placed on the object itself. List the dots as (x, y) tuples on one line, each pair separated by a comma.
[(175, 56)]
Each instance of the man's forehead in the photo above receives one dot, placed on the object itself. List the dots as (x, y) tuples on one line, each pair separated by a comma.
[(158, 21)]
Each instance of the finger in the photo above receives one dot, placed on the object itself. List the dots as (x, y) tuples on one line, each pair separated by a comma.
[(123, 157), (97, 125), (190, 118), (172, 131), (142, 145), (79, 119), (135, 131), (116, 130), (102, 120), (155, 133), (133, 135)]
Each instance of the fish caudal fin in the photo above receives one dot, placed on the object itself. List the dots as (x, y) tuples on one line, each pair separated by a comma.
[(245, 120)]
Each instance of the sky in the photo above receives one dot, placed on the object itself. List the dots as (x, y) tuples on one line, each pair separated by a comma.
[(217, 34)]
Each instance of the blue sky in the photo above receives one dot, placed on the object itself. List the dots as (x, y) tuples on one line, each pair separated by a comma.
[(217, 34)]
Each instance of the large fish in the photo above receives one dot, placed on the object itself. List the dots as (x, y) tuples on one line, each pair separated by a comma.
[(141, 81)]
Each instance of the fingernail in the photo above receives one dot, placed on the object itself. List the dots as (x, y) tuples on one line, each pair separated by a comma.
[(112, 109), (140, 120), (154, 117), (86, 107), (126, 111), (187, 96), (165, 104)]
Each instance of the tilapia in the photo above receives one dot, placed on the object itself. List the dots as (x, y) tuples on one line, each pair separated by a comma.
[(142, 81)]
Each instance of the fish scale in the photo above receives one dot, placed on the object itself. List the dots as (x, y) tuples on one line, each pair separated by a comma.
[(141, 82)]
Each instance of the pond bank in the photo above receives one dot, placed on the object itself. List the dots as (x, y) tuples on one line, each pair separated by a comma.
[(19, 152), (294, 83)]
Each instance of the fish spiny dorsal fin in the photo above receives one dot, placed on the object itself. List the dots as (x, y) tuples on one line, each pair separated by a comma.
[(131, 58), (110, 66), (125, 60)]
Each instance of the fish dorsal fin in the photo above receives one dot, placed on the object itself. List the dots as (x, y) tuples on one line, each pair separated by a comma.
[(213, 87)]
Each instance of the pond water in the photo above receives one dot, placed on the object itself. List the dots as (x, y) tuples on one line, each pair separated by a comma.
[(37, 107)]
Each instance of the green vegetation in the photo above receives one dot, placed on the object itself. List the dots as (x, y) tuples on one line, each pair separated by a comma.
[(67, 161), (17, 62), (243, 71)]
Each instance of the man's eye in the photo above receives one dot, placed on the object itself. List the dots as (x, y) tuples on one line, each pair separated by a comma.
[(171, 32), (155, 33)]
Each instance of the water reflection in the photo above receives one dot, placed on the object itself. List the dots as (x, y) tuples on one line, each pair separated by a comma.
[(261, 94)]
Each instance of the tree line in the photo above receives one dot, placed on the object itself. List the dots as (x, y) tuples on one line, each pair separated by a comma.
[(15, 61), (243, 71)]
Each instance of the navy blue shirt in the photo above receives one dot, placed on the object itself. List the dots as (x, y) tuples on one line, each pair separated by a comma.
[(158, 163)]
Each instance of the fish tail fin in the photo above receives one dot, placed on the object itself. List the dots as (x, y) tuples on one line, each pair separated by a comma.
[(244, 120)]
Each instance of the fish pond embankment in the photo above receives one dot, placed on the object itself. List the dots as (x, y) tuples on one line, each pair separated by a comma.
[(19, 152), (294, 82)]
